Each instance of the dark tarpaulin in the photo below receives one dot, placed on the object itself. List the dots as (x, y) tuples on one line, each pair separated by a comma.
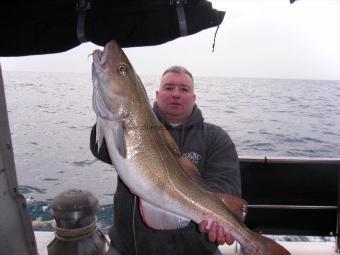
[(31, 27)]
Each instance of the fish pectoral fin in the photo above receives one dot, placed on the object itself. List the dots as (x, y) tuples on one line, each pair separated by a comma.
[(236, 205), (187, 166), (160, 219), (99, 135), (120, 139), (113, 131)]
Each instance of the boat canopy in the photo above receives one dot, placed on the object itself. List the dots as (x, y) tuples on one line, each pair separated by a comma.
[(51, 26)]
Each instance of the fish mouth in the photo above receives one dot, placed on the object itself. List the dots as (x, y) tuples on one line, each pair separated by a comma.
[(97, 58), (98, 104), (96, 65), (110, 52), (101, 57), (106, 97)]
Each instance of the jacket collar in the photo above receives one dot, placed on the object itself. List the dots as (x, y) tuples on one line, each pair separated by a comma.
[(195, 118)]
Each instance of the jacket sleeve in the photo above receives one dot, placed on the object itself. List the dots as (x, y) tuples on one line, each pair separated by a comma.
[(221, 167), (103, 153)]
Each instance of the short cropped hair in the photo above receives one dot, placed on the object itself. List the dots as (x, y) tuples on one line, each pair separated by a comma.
[(178, 69)]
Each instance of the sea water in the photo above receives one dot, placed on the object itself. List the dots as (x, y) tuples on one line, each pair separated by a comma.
[(51, 117)]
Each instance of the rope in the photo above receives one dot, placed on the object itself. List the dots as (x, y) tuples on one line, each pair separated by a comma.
[(39, 223), (213, 46), (69, 235)]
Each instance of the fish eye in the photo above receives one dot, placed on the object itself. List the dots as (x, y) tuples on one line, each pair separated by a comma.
[(122, 69)]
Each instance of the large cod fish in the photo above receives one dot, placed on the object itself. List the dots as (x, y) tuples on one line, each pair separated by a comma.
[(169, 198)]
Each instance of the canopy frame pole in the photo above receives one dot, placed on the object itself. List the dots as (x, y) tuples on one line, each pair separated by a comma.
[(182, 22), (82, 7), (12, 196)]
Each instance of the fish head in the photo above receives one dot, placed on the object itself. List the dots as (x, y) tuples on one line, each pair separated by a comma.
[(115, 83)]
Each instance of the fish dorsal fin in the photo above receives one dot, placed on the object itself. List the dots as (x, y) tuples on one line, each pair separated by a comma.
[(191, 170), (184, 162), (236, 205), (157, 218), (172, 145)]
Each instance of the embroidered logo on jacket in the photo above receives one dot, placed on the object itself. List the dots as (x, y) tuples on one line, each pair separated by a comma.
[(193, 156)]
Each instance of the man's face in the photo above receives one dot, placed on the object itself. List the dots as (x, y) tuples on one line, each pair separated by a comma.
[(175, 97)]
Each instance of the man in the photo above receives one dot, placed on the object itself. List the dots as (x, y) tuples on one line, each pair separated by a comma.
[(207, 146)]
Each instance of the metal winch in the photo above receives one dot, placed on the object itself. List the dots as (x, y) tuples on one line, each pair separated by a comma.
[(75, 227)]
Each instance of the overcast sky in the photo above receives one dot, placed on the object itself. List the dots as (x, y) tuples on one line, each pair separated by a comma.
[(258, 38)]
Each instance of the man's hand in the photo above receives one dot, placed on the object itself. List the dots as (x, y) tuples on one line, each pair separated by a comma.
[(216, 233)]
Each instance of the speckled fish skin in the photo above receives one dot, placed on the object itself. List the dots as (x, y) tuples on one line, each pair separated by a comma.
[(141, 157)]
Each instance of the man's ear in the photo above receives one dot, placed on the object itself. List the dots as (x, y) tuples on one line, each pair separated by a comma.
[(157, 92)]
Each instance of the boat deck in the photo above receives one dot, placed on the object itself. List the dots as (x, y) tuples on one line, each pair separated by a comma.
[(295, 248)]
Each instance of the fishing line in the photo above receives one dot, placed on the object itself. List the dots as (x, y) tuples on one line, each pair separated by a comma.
[(133, 224)]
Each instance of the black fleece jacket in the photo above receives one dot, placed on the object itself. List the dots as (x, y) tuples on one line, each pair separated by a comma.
[(210, 148)]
